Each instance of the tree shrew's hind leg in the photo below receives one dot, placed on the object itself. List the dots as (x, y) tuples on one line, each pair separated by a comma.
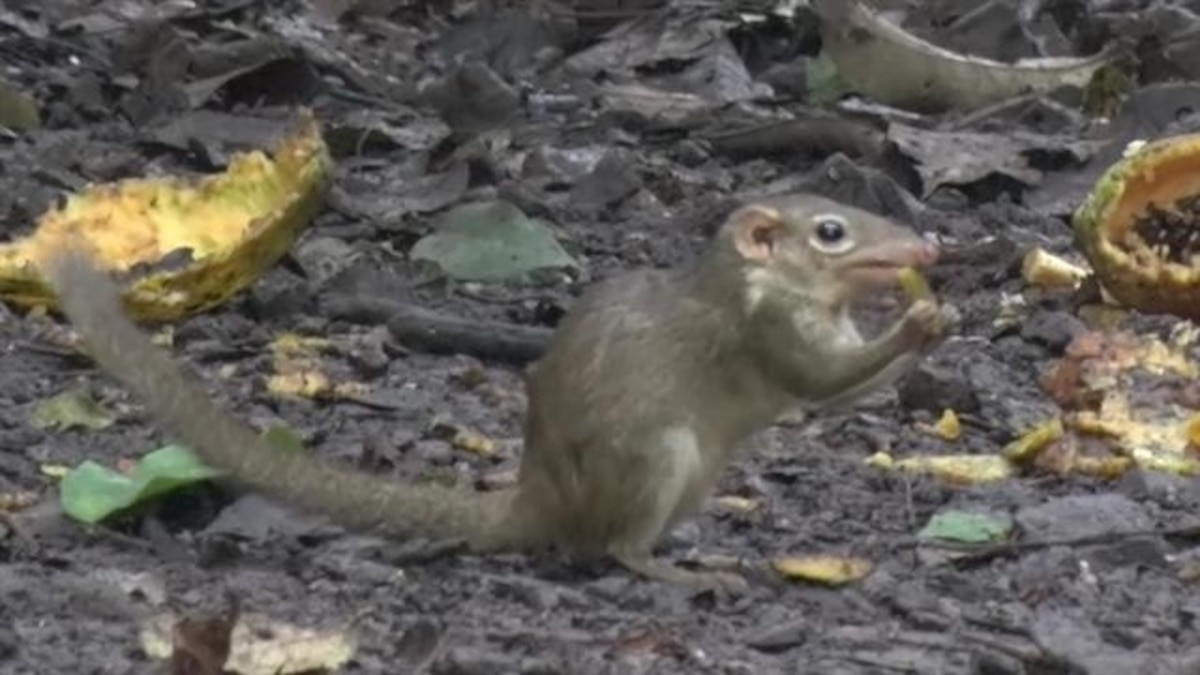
[(678, 467)]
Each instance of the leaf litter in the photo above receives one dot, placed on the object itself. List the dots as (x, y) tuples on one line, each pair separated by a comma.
[(628, 133)]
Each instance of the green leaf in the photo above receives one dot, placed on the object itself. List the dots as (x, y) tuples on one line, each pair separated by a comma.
[(91, 492), (71, 409), (966, 527), (823, 82), (491, 241), (284, 439), (17, 109)]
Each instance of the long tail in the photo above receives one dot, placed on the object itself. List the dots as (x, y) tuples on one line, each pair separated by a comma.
[(91, 300)]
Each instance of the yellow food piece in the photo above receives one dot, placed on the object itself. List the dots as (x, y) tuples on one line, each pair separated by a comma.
[(288, 345), (1107, 468), (914, 284), (824, 569), (473, 442), (1029, 445), (310, 384), (948, 426), (1178, 464), (316, 385), (959, 469), (736, 503), (1044, 269), (881, 460), (235, 224), (56, 471), (1133, 147)]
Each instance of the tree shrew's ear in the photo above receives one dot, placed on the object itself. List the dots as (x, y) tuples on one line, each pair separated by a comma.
[(755, 232)]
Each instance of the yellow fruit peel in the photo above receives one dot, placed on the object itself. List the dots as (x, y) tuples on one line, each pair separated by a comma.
[(1191, 429), (1160, 274), (235, 224)]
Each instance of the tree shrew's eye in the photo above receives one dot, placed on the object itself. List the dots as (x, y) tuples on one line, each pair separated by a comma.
[(831, 234), (830, 230)]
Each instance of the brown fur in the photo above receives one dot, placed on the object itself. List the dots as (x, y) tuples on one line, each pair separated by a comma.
[(646, 390)]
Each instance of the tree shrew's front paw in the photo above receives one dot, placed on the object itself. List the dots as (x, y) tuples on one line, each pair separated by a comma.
[(928, 322)]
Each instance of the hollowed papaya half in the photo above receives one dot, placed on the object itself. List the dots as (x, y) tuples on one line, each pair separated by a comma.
[(181, 245), (1140, 228)]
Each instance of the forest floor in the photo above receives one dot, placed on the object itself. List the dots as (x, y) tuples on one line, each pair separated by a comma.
[(625, 177)]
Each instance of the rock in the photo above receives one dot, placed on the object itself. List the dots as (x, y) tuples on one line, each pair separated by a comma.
[(460, 660), (1149, 551), (1166, 489), (1082, 649), (614, 179), (967, 378), (781, 637), (1006, 400), (435, 451), (936, 386), (1078, 516), (1053, 330)]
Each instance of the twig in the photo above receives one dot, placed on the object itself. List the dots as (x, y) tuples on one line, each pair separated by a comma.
[(975, 556), (433, 332)]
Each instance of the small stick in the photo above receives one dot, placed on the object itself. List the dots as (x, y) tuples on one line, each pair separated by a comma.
[(437, 333)]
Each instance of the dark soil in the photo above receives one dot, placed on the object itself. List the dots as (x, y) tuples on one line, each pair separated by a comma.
[(136, 88)]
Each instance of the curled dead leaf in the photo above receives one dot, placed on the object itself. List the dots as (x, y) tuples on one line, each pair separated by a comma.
[(881, 59)]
